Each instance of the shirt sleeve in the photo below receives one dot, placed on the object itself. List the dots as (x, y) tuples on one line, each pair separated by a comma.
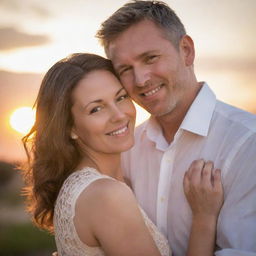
[(236, 230)]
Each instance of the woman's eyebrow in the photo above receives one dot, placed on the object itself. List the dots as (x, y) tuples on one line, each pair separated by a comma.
[(119, 91), (99, 100)]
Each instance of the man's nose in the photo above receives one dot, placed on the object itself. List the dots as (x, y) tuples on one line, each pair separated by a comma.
[(142, 76)]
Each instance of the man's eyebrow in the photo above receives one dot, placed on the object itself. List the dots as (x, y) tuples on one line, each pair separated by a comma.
[(145, 54), (99, 100)]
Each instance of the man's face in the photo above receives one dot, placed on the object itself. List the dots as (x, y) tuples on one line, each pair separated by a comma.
[(151, 69)]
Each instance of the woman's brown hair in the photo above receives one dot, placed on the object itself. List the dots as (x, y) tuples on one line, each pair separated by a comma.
[(52, 154)]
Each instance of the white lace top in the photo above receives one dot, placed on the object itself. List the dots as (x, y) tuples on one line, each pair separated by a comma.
[(67, 240)]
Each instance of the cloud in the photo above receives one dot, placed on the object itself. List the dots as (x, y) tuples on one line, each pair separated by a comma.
[(40, 11), (11, 38), (29, 8), (227, 64), (16, 90)]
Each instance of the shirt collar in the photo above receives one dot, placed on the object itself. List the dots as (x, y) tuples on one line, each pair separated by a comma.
[(197, 119), (199, 115), (154, 132)]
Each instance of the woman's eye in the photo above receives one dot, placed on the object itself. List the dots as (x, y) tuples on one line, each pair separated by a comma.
[(94, 110), (122, 97)]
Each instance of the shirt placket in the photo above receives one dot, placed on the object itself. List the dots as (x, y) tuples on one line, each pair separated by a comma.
[(164, 184)]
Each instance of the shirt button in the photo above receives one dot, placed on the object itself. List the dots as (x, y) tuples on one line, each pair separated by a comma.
[(161, 199)]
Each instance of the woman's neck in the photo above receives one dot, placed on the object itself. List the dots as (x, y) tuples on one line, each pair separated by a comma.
[(107, 164)]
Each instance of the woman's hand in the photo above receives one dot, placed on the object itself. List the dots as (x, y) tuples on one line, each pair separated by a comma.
[(203, 189), (204, 192)]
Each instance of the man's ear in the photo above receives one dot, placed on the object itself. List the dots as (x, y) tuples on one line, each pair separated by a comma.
[(188, 50)]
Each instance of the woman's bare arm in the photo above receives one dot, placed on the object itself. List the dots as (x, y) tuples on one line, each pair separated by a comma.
[(113, 219)]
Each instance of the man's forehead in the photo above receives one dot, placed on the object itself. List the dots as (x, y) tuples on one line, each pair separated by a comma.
[(117, 55), (121, 57), (136, 39)]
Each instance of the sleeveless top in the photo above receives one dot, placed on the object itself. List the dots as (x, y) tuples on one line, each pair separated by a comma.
[(67, 240)]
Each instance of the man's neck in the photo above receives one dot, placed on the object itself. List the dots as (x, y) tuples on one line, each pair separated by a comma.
[(171, 122)]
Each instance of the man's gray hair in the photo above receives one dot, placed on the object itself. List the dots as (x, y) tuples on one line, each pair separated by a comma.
[(135, 11)]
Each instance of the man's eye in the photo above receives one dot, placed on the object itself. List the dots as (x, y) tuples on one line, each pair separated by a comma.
[(151, 58), (122, 71), (122, 97), (96, 109)]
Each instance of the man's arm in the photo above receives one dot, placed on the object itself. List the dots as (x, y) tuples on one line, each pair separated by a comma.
[(236, 231)]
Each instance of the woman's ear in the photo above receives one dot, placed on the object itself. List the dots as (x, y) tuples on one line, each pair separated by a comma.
[(188, 50), (73, 135)]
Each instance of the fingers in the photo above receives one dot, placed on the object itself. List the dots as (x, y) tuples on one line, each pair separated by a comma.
[(206, 174), (217, 184), (186, 183), (194, 171), (203, 188), (201, 173)]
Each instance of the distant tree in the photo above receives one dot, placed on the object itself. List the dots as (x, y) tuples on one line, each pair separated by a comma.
[(7, 171)]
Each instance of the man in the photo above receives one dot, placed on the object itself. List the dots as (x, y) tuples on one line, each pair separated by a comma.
[(154, 57)]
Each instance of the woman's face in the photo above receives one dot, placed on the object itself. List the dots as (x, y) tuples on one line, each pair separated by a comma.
[(104, 115)]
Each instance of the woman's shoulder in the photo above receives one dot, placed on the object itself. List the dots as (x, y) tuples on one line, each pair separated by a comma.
[(76, 186), (81, 179), (106, 198), (107, 192), (88, 185), (102, 206)]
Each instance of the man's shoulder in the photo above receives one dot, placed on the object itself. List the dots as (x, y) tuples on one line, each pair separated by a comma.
[(140, 128), (140, 140), (236, 117)]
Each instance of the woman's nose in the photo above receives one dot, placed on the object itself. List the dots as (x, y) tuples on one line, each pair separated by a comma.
[(117, 114)]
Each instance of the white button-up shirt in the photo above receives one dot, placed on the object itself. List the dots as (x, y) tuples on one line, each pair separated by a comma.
[(211, 130)]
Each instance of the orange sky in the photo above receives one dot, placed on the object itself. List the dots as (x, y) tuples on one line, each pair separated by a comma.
[(35, 34)]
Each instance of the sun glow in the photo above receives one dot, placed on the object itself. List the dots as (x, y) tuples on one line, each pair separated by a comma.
[(22, 119)]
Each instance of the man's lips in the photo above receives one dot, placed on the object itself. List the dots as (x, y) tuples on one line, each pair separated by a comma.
[(152, 91)]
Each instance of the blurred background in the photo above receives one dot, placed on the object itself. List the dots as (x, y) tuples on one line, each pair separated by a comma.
[(34, 34)]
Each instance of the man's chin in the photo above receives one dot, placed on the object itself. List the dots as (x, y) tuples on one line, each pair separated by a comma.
[(156, 110), (161, 112)]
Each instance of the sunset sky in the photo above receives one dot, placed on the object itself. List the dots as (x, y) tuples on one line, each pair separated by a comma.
[(34, 34)]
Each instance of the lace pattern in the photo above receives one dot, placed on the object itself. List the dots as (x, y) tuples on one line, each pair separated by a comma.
[(67, 240)]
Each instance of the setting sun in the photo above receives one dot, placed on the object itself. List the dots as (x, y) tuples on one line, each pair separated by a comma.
[(22, 119)]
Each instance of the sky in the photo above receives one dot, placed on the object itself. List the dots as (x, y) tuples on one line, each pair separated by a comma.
[(34, 34)]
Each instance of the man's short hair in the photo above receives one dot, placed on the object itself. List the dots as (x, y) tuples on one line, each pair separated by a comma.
[(134, 12)]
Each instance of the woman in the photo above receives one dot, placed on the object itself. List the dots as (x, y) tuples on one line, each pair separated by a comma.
[(75, 186)]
